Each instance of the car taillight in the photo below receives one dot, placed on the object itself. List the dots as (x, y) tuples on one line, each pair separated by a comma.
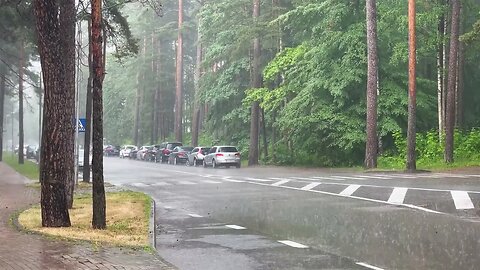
[(219, 155), (181, 154), (237, 154), (166, 151)]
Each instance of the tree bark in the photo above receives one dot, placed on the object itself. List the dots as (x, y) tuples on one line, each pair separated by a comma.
[(372, 84), (2, 106), (264, 130), (67, 39), (412, 95), (20, 102), (178, 128), (56, 121), (160, 117), (88, 110), (256, 83), (452, 79), (155, 91), (460, 76), (198, 74), (99, 203), (440, 74)]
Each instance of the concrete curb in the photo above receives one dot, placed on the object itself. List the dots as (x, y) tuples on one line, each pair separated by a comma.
[(151, 227)]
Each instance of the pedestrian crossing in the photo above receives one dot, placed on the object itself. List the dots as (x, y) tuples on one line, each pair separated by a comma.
[(352, 186)]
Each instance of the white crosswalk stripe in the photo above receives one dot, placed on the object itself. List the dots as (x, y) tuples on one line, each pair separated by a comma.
[(462, 200), (139, 185), (398, 195), (310, 186), (161, 184), (350, 190), (279, 183)]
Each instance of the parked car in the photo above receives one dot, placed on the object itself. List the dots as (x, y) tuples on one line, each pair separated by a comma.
[(222, 156), (143, 151), (179, 155), (164, 151), (195, 158), (151, 154), (126, 150), (111, 150), (30, 151)]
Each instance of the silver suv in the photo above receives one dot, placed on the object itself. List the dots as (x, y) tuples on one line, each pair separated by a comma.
[(222, 156)]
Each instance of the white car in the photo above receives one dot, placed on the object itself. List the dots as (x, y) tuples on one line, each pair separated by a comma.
[(126, 150), (222, 156)]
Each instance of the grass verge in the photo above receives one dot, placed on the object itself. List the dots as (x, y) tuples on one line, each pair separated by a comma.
[(29, 169), (394, 163), (127, 220)]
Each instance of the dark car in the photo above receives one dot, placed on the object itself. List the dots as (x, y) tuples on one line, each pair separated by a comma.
[(164, 151), (111, 151), (179, 155), (30, 151)]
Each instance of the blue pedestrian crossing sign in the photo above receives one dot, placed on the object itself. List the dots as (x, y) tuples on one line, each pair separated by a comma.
[(82, 124)]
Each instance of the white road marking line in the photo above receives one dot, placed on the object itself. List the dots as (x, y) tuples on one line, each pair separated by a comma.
[(348, 177), (473, 175), (277, 178), (355, 197), (211, 182), (310, 186), (279, 183), (384, 177), (139, 185), (350, 190), (398, 195), (235, 227), (168, 207), (195, 215), (303, 178), (258, 179), (292, 244), (234, 181), (462, 200), (366, 265), (161, 184), (186, 183), (327, 178)]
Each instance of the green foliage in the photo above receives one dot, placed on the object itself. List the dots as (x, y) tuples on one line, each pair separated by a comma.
[(430, 149)]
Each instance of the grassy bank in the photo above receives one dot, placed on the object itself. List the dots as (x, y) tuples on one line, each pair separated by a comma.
[(127, 220), (29, 169), (394, 163)]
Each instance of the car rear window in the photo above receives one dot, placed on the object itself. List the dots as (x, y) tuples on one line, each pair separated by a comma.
[(173, 145), (187, 148), (205, 149), (228, 149)]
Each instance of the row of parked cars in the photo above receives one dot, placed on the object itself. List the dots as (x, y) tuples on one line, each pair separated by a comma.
[(176, 153)]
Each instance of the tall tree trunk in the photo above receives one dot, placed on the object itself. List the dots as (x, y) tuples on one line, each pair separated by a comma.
[(136, 120), (440, 75), (178, 129), (20, 102), (155, 91), (88, 110), (264, 130), (452, 79), (460, 77), (256, 83), (57, 123), (2, 106), (67, 38), (99, 203), (160, 124), (412, 95), (198, 74), (372, 84)]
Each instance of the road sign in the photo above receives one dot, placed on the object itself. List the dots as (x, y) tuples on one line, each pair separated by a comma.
[(82, 124)]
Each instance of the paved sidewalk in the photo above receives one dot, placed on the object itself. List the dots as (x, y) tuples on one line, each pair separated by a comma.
[(20, 251)]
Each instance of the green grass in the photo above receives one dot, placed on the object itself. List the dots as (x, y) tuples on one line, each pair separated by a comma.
[(29, 169), (394, 163)]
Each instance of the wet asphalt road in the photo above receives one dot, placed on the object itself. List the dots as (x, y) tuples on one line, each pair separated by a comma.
[(287, 218)]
